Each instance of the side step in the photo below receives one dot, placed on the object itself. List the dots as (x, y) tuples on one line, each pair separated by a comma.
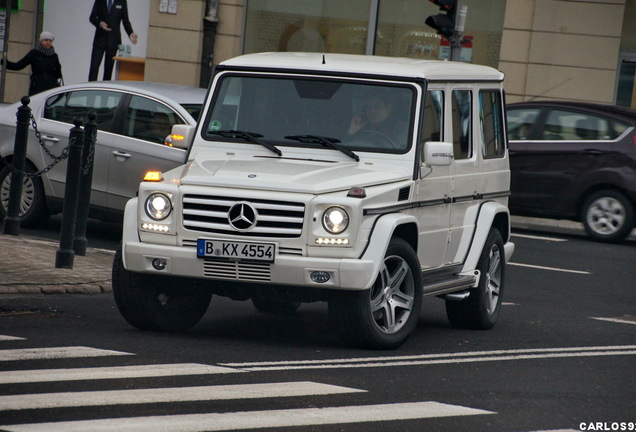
[(451, 285)]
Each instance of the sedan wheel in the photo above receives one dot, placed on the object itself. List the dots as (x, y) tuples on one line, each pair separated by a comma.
[(608, 216), (32, 210)]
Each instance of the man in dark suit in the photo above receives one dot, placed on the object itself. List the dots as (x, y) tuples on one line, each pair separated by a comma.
[(107, 17)]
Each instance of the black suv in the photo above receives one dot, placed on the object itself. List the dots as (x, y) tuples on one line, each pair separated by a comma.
[(575, 161)]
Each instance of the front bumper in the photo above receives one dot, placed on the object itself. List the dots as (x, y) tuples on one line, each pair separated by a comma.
[(346, 274)]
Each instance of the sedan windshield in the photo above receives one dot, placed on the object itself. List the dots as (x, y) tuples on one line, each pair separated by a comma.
[(357, 116)]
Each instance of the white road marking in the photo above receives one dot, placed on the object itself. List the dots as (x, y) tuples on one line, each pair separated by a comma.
[(258, 419), (621, 320), (549, 268), (449, 358), (169, 394), (8, 338), (535, 237), (55, 353), (116, 372)]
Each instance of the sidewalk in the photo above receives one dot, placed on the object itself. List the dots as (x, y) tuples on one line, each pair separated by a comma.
[(27, 266)]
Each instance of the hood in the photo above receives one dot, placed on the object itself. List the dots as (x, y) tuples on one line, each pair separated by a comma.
[(290, 175)]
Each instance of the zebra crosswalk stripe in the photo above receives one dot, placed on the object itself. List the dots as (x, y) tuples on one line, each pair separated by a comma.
[(169, 394), (55, 353), (114, 372), (257, 419)]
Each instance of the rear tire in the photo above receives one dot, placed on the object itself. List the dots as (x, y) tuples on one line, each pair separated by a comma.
[(151, 302), (385, 315), (608, 216), (480, 310)]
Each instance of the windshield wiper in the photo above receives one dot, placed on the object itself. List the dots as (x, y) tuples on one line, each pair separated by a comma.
[(248, 136), (325, 141)]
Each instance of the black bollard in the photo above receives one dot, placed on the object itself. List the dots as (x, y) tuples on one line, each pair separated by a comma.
[(12, 220), (86, 183), (65, 253)]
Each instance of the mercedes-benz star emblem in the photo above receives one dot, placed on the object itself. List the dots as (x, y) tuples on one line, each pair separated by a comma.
[(242, 216)]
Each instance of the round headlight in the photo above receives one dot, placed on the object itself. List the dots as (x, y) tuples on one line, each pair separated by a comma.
[(335, 220), (158, 206)]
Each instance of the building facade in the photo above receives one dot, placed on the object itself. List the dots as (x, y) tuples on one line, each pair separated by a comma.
[(548, 49)]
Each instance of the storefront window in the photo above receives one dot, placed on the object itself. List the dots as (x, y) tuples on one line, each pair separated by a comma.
[(402, 32), (307, 26), (330, 26)]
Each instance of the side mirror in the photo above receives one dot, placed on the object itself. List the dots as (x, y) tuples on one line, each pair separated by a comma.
[(181, 136), (438, 153)]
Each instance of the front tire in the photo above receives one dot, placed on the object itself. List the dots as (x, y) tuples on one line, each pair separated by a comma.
[(151, 302), (480, 310), (385, 315), (33, 210), (608, 216)]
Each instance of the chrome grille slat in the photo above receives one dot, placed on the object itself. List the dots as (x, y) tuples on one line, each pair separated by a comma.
[(209, 214)]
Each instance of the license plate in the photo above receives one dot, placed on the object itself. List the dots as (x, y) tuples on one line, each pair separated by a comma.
[(232, 250)]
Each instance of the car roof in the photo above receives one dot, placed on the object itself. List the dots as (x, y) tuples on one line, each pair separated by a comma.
[(433, 70), (178, 93), (621, 112)]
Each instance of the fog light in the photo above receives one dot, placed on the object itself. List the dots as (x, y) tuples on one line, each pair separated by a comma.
[(319, 276), (159, 263)]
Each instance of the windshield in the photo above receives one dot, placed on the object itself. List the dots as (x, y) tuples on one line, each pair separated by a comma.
[(292, 111)]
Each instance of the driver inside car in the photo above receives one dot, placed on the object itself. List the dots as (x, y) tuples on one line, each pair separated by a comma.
[(378, 119)]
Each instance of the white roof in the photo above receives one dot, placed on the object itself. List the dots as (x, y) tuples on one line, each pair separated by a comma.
[(435, 70)]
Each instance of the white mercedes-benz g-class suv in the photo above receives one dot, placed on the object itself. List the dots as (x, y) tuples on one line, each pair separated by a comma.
[(366, 182)]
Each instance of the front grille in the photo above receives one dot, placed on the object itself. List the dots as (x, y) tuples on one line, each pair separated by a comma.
[(239, 271), (270, 219)]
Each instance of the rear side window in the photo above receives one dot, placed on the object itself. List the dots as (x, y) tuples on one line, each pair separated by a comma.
[(575, 126), (149, 120), (65, 107), (491, 117), (462, 125)]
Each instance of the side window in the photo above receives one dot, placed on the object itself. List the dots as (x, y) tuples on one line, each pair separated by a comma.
[(149, 120), (574, 126), (491, 117), (462, 125), (65, 107), (521, 122), (433, 119)]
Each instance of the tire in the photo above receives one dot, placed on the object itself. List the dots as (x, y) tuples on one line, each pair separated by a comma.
[(385, 315), (33, 210), (274, 306), (608, 216), (480, 310), (151, 302)]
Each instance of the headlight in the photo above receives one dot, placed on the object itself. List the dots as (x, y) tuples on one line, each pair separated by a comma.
[(158, 206), (335, 220)]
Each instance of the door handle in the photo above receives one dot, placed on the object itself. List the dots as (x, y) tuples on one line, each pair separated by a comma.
[(121, 154), (50, 139)]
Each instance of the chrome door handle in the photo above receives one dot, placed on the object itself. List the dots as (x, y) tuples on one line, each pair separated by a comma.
[(120, 154), (50, 138)]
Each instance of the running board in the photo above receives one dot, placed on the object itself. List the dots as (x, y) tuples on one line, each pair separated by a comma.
[(452, 285)]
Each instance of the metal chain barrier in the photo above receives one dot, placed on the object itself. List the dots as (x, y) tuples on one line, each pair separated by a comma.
[(56, 159)]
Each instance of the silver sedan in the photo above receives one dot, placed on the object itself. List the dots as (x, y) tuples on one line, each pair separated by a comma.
[(133, 119)]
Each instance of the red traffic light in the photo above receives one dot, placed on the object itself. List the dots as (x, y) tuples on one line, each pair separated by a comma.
[(446, 5)]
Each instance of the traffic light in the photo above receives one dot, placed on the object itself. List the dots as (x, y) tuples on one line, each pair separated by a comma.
[(444, 23)]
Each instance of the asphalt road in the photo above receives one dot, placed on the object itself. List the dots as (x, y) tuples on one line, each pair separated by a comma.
[(562, 357)]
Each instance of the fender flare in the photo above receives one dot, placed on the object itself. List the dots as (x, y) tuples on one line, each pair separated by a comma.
[(491, 214), (381, 235), (129, 227)]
